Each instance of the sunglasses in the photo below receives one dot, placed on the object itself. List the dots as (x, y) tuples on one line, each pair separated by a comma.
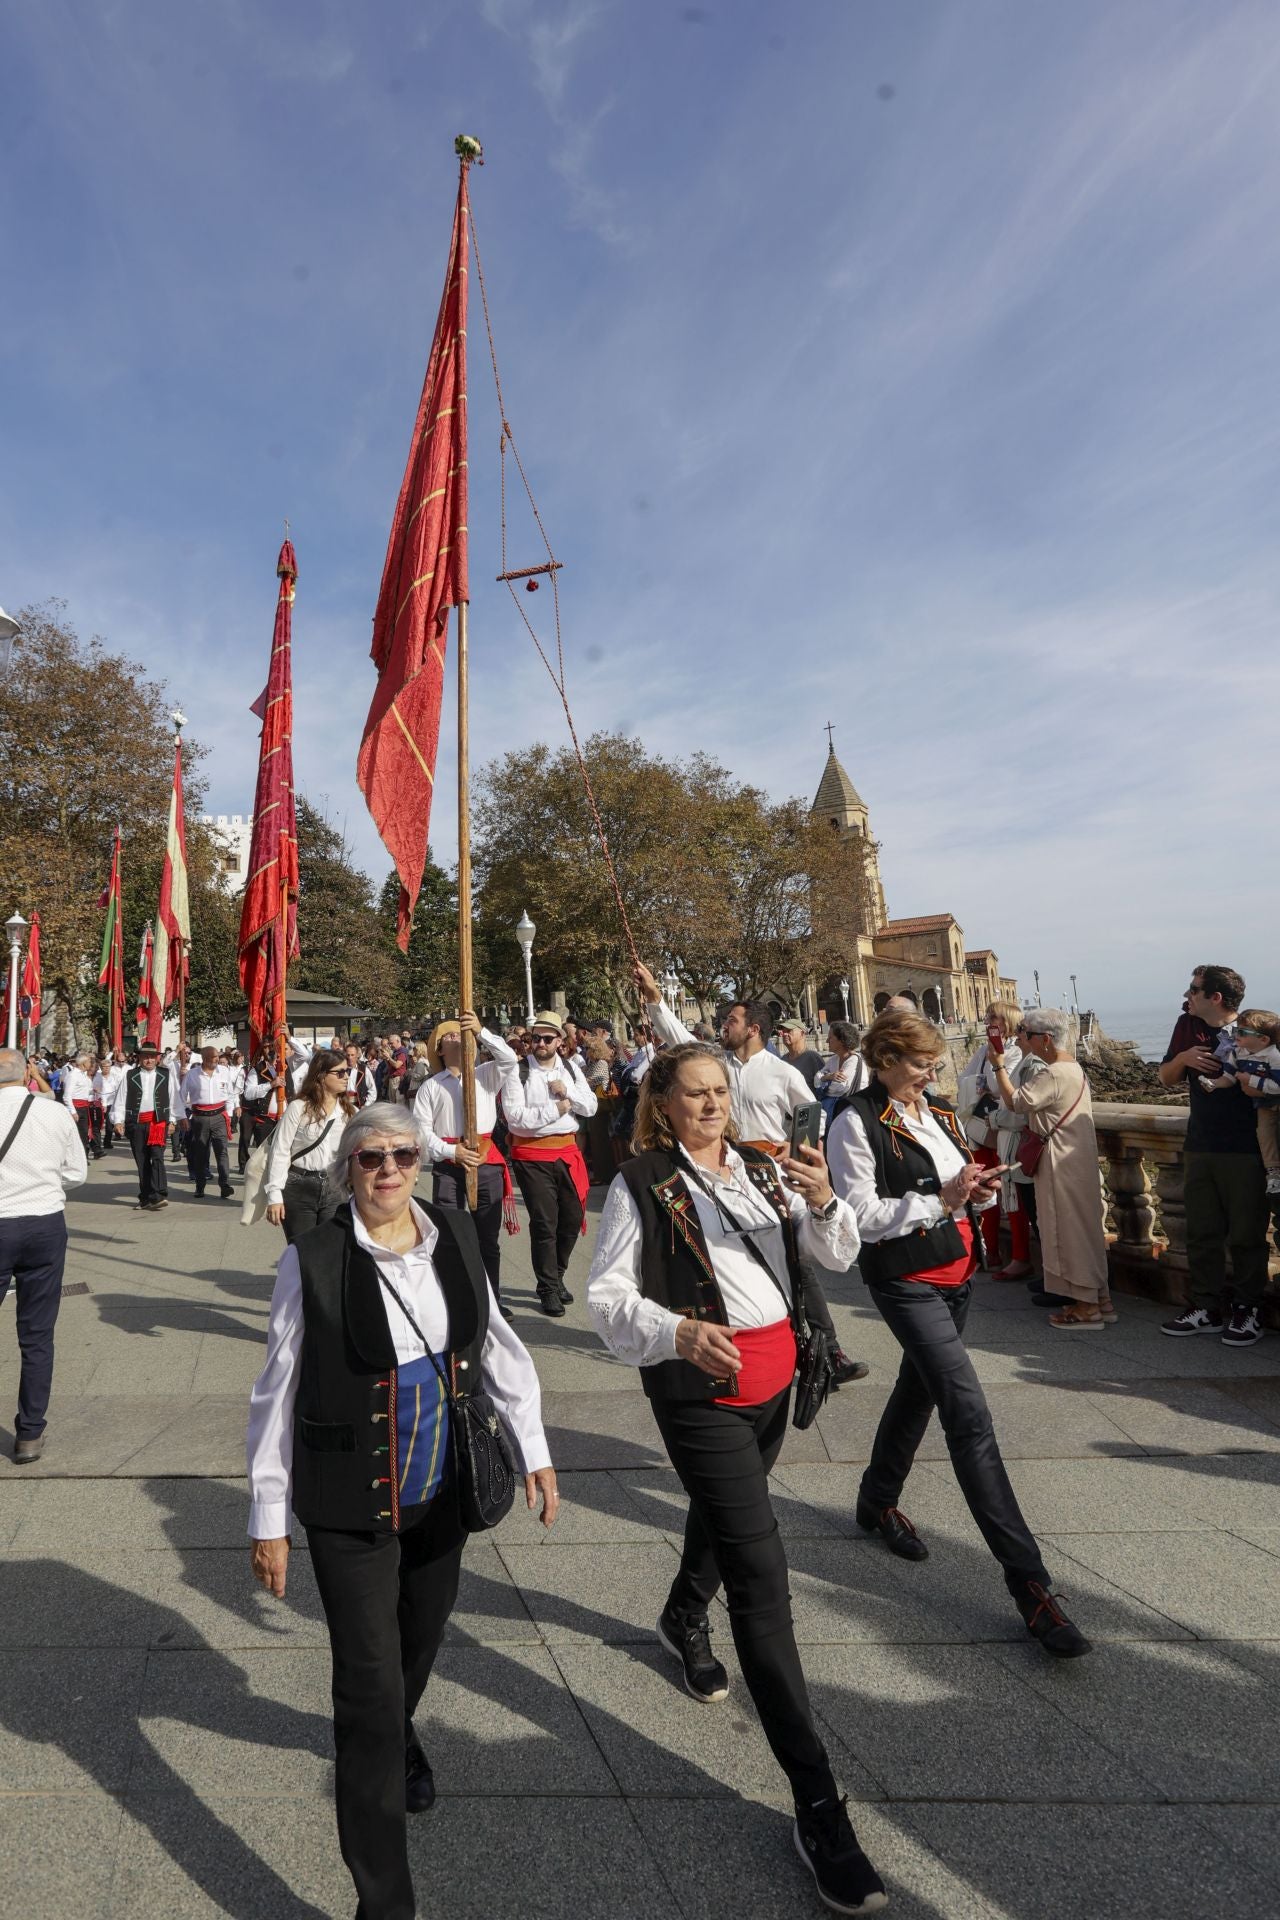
[(544, 1039), (373, 1158), (1253, 1033)]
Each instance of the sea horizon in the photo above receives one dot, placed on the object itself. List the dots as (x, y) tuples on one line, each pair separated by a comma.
[(1147, 1028)]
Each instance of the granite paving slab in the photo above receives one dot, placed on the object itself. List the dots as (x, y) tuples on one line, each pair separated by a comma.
[(1212, 1584), (68, 1718), (578, 1593), (506, 1721), (59, 1852)]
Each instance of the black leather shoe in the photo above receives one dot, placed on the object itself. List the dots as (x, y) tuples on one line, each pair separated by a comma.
[(847, 1369), (551, 1303), (226, 1193), (27, 1452), (894, 1529), (1047, 1623), (566, 1298), (419, 1781)]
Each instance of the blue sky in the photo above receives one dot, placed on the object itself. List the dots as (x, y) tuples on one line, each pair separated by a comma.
[(912, 366)]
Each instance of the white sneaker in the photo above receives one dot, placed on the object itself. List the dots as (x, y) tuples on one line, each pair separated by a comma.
[(1243, 1328)]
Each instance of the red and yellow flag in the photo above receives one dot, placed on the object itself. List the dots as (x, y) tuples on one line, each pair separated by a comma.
[(31, 982), (269, 915), (171, 961), (425, 574), (111, 966)]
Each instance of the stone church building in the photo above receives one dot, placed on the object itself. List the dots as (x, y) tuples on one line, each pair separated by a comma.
[(924, 956)]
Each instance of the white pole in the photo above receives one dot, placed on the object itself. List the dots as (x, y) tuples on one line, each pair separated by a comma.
[(528, 980), (14, 928)]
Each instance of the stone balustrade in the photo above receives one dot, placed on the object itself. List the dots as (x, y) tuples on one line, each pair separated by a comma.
[(1140, 1150)]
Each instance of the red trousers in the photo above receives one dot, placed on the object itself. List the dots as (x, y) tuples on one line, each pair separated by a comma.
[(1019, 1222)]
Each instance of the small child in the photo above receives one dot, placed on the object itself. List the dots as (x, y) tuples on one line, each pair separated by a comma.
[(1252, 1062)]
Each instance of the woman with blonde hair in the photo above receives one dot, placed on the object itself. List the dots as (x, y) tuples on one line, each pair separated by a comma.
[(902, 1162), (696, 1271), (305, 1145)]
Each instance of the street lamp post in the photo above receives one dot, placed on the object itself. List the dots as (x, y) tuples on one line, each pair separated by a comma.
[(1075, 994), (525, 931), (844, 993), (9, 631), (15, 928)]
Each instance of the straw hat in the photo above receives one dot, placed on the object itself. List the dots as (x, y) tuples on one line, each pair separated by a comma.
[(553, 1020), (437, 1034)]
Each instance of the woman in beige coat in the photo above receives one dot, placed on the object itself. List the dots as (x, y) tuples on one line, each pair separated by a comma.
[(1068, 1184)]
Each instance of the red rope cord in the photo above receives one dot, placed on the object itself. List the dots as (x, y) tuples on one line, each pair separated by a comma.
[(555, 674)]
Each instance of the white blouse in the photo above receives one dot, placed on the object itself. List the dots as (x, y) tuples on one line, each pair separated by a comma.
[(506, 1369), (642, 1332), (438, 1103), (295, 1127), (853, 1174)]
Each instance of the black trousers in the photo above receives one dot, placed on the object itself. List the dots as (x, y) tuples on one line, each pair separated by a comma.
[(307, 1202), (936, 1371), (450, 1190), (83, 1117), (555, 1218), (209, 1134), (33, 1253), (153, 1181), (1225, 1195), (387, 1598), (723, 1456)]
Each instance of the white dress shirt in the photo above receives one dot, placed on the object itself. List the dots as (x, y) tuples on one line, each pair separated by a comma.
[(111, 1080), (507, 1371), (764, 1090), (438, 1102), (177, 1074), (640, 1331), (45, 1159), (853, 1174), (76, 1085), (147, 1101), (290, 1149), (216, 1089), (532, 1111)]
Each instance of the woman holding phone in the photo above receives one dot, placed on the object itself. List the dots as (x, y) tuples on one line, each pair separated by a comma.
[(903, 1164), (696, 1266)]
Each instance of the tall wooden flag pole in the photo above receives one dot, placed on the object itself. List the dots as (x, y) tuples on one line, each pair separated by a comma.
[(424, 575)]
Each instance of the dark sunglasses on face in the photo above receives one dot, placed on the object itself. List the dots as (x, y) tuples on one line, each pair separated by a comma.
[(1253, 1033), (544, 1039), (372, 1158)]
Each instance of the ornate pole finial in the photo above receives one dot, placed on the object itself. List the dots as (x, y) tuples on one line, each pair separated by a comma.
[(469, 150), (179, 720)]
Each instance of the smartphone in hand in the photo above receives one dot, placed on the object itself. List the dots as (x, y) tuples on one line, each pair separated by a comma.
[(995, 1036), (806, 1124)]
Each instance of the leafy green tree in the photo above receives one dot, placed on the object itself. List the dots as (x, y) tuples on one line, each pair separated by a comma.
[(340, 930)]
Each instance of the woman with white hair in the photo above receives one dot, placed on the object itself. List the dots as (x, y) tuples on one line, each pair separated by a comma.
[(349, 1433), (1068, 1184)]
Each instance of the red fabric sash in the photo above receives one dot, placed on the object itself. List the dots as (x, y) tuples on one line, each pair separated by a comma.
[(510, 1218), (82, 1106), (157, 1132), (768, 1363), (556, 1147), (220, 1108), (955, 1272)]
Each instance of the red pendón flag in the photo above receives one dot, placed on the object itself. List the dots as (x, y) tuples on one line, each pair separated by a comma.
[(171, 962), (425, 574), (111, 970), (142, 1017), (31, 985), (269, 915)]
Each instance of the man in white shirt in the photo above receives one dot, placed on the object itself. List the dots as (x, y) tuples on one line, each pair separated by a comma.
[(361, 1084), (41, 1155), (438, 1107), (179, 1066), (543, 1102), (77, 1097), (142, 1111), (113, 1073), (209, 1099)]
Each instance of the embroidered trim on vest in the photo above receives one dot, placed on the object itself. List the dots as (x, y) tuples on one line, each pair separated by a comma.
[(672, 1194)]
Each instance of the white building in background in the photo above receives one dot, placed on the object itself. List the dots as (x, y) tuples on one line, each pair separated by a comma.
[(234, 833)]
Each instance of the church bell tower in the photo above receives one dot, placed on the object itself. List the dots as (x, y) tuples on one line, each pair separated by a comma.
[(839, 806)]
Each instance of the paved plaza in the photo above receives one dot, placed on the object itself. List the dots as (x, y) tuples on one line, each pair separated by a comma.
[(165, 1743)]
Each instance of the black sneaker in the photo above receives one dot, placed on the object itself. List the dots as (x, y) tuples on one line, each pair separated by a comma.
[(419, 1781), (1047, 1623), (566, 1298), (1193, 1320), (551, 1303), (1243, 1328), (687, 1637), (828, 1845), (846, 1369)]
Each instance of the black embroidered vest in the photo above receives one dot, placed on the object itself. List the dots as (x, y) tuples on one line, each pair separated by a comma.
[(902, 1167), (675, 1265), (133, 1095), (346, 1465)]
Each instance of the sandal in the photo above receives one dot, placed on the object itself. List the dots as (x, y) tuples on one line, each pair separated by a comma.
[(1087, 1317), (1108, 1312)]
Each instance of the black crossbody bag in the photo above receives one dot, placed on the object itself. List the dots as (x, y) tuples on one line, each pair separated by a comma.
[(483, 1461), (815, 1351)]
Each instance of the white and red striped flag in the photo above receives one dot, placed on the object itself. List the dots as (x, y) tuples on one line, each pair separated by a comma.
[(171, 964)]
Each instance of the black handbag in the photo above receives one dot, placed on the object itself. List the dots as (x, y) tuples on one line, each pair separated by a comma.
[(815, 1349), (484, 1465)]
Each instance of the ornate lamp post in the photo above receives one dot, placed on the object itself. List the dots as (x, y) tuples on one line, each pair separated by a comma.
[(844, 993), (525, 931), (15, 928)]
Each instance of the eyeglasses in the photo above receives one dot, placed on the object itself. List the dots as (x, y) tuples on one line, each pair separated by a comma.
[(1252, 1033), (544, 1039), (372, 1159), (330, 1071)]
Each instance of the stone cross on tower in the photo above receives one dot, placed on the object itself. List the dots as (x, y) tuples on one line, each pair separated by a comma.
[(831, 745)]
